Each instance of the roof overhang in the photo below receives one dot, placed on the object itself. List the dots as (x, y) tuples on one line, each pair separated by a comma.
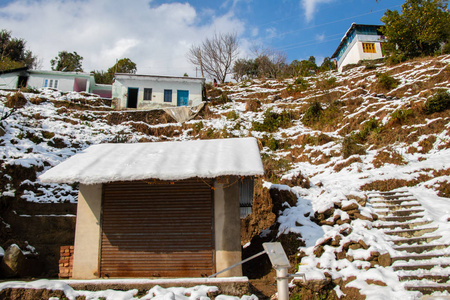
[(127, 76), (162, 160), (347, 34)]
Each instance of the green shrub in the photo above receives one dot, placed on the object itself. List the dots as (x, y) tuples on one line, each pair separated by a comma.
[(48, 135), (313, 113), (274, 168), (326, 83), (198, 126), (273, 121), (370, 126), (387, 82), (270, 142), (400, 116), (438, 102), (351, 147), (232, 115)]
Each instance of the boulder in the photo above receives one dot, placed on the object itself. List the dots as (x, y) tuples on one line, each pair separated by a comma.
[(350, 207), (14, 262), (385, 259)]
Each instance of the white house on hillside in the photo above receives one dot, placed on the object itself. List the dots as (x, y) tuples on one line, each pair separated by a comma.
[(360, 42), (150, 91), (63, 81)]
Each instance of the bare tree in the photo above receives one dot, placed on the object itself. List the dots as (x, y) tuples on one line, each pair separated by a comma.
[(216, 55), (271, 62)]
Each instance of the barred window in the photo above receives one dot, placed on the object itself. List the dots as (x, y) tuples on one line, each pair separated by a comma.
[(369, 48), (147, 94)]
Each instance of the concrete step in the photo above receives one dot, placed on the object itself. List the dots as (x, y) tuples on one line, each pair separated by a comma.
[(411, 232), (393, 202), (397, 197), (417, 240), (397, 207), (428, 288), (413, 267), (421, 248), (409, 225), (400, 213), (417, 257), (441, 278), (398, 219)]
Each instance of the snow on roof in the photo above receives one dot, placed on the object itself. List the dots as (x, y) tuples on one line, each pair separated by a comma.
[(163, 160)]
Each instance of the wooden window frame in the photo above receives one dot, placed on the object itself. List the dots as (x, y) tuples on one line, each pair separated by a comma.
[(369, 48), (148, 91)]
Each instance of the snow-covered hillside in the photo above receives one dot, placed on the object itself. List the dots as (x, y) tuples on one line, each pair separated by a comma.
[(329, 140)]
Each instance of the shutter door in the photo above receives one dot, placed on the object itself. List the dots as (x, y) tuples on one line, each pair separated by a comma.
[(157, 229)]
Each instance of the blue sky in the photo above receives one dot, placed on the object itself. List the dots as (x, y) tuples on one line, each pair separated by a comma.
[(157, 34)]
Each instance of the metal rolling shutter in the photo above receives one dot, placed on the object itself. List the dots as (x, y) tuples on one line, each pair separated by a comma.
[(157, 229)]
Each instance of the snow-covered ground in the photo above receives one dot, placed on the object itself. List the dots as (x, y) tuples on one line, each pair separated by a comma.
[(28, 142)]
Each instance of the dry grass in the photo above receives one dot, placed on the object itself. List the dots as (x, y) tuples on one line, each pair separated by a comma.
[(355, 159), (427, 144), (391, 184), (388, 156)]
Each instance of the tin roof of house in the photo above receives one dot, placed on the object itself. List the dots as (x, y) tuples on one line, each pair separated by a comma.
[(160, 160), (158, 77)]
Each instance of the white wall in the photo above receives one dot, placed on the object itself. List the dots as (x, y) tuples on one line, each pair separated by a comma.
[(355, 51), (64, 83), (88, 232), (158, 85), (9, 80)]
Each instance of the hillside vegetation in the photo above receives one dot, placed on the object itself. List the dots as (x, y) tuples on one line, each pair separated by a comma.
[(325, 141)]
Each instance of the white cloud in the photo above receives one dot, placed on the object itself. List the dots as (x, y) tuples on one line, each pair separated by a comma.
[(310, 7), (320, 37), (155, 37)]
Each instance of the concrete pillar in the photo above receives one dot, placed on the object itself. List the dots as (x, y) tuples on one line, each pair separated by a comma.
[(227, 225), (87, 232)]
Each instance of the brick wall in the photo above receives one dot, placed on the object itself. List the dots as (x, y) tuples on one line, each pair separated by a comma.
[(66, 262)]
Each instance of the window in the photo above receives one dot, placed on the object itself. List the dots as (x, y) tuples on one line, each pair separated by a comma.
[(167, 95), (369, 48), (147, 94), (45, 82), (56, 84), (51, 83)]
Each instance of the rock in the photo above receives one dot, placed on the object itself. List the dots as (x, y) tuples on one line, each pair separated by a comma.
[(355, 246), (316, 285), (351, 206), (14, 262), (346, 246), (346, 231), (336, 241), (385, 259), (376, 282), (363, 244), (341, 255), (318, 251), (352, 213), (362, 217), (326, 241)]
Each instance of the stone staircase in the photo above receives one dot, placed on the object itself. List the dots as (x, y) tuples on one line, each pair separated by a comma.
[(422, 259)]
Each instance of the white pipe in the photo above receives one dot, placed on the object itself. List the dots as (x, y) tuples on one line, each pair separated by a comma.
[(282, 283)]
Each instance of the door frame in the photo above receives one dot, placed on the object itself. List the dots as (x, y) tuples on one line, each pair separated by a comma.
[(128, 97), (186, 103)]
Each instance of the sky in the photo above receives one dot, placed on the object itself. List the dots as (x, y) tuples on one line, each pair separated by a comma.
[(157, 34)]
